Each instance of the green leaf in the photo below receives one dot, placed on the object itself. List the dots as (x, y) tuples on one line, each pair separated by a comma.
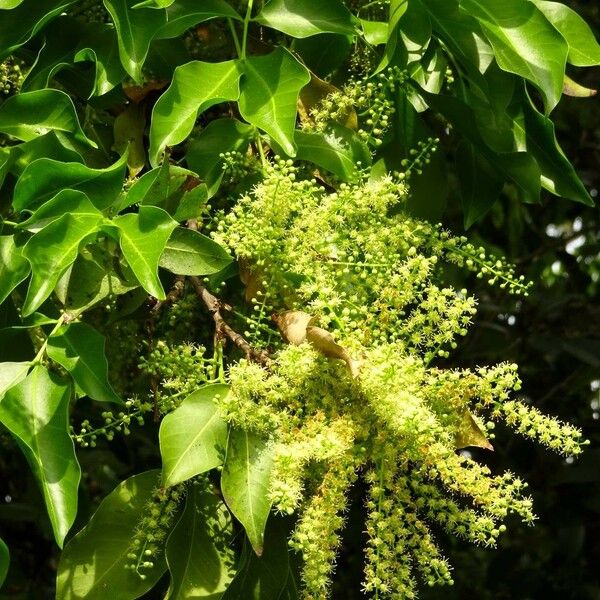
[(534, 133), (92, 565), (45, 178), (175, 113), (12, 373), (338, 150), (4, 561), (219, 136), (524, 43), (303, 18), (269, 95), (79, 348), (245, 483), (375, 32), (199, 550), (190, 253), (32, 114), (584, 50), (480, 184), (194, 436), (153, 4), (67, 201), (9, 4), (14, 267), (128, 130), (265, 577), (143, 237), (323, 53), (135, 30), (184, 14), (36, 413), (19, 25), (51, 251)]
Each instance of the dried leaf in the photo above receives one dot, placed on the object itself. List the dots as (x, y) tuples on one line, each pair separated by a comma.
[(293, 325), (313, 93), (469, 434), (137, 93)]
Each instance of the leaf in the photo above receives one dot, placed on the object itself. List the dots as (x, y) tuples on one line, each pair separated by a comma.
[(14, 267), (45, 178), (31, 114), (193, 437), (143, 237), (129, 137), (480, 184), (190, 253), (219, 136), (524, 43), (66, 201), (199, 550), (534, 133), (245, 483), (52, 251), (338, 150), (12, 373), (4, 561), (92, 565), (184, 14), (135, 30), (175, 113), (7, 5), (79, 348), (36, 413), (269, 94), (303, 18), (572, 88), (153, 4), (584, 50), (19, 25), (469, 435), (323, 53), (265, 577), (375, 32)]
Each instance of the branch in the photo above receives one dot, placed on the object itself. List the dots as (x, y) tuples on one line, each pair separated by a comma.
[(223, 329)]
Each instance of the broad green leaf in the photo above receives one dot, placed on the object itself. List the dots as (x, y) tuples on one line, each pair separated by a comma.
[(375, 32), (584, 50), (7, 5), (14, 267), (67, 201), (79, 348), (534, 133), (36, 413), (269, 95), (128, 130), (4, 561), (92, 565), (397, 10), (338, 150), (32, 114), (153, 4), (143, 237), (480, 184), (20, 24), (51, 251), (11, 373), (303, 18), (175, 113), (135, 30), (524, 43), (184, 14), (219, 136), (265, 577), (193, 437), (245, 483), (45, 178), (190, 253), (572, 88), (199, 550), (45, 146), (323, 53), (518, 168)]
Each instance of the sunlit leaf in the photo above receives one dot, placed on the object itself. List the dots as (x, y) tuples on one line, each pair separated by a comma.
[(14, 267), (193, 437), (35, 411), (11, 373)]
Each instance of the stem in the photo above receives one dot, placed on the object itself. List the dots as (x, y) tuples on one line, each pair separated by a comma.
[(246, 24), (38, 357), (236, 39), (7, 222), (261, 151)]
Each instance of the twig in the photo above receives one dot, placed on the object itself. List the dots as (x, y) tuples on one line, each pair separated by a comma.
[(223, 330)]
